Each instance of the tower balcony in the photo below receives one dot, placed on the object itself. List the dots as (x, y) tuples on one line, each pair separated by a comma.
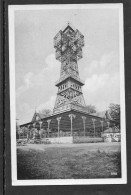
[(58, 82)]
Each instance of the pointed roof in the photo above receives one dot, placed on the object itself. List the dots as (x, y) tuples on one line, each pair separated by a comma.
[(68, 26), (37, 115)]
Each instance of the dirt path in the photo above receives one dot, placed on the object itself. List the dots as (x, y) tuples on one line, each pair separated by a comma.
[(107, 147)]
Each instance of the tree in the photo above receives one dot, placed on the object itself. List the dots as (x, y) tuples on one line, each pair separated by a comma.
[(114, 110), (17, 130), (91, 108), (45, 112)]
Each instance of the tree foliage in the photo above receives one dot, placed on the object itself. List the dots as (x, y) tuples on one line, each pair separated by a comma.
[(114, 110), (91, 108), (45, 112)]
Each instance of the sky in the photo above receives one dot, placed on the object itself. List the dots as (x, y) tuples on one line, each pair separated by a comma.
[(37, 70)]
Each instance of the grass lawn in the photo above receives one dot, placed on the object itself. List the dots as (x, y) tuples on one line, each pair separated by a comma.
[(78, 161)]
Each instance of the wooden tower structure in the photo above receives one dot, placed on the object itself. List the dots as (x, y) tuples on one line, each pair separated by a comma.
[(68, 45)]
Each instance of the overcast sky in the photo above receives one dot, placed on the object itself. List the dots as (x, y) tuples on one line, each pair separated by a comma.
[(37, 70)]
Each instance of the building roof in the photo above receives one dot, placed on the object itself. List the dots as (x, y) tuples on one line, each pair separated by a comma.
[(38, 116), (100, 114)]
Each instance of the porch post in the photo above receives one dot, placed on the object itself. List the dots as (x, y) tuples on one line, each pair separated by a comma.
[(84, 118), (93, 120), (34, 128), (34, 125), (71, 116), (48, 121), (40, 124), (102, 124), (23, 131), (58, 119), (108, 124), (40, 128), (28, 132)]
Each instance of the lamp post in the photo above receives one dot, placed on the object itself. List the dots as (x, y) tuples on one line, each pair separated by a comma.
[(93, 120), (58, 119), (84, 118), (71, 116)]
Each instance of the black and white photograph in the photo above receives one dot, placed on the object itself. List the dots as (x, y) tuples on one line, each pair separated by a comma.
[(67, 94)]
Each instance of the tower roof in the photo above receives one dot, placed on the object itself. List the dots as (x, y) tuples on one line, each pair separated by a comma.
[(68, 26)]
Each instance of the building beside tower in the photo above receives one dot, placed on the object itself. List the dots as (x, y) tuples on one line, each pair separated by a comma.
[(70, 116)]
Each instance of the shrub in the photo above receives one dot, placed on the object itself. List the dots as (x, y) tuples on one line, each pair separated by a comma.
[(87, 139)]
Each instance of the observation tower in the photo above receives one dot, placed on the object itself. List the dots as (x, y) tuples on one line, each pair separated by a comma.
[(68, 44)]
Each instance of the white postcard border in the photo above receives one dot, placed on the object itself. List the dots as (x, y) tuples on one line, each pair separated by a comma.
[(15, 182)]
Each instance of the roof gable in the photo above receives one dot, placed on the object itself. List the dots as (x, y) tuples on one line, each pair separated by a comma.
[(36, 117)]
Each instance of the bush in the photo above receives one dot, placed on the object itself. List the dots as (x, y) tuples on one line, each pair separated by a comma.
[(21, 142), (87, 139)]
